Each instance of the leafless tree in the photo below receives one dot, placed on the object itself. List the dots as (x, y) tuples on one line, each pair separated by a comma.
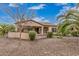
[(16, 13)]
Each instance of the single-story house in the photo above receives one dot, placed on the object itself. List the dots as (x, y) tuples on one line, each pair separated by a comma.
[(39, 27)]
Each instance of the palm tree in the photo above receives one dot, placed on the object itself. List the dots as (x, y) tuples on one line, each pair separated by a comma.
[(5, 28), (69, 22)]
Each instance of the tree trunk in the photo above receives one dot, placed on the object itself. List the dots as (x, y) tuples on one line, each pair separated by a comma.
[(21, 32), (20, 36)]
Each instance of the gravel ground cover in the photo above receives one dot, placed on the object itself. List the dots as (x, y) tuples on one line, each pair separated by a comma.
[(68, 46)]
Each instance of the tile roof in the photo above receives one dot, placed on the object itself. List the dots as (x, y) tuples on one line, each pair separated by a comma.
[(42, 23)]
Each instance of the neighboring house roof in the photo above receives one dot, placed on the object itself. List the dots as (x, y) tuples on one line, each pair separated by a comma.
[(41, 23)]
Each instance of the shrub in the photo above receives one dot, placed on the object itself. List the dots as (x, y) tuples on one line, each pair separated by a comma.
[(5, 28), (59, 35), (74, 33), (11, 28), (49, 34), (32, 35), (54, 34)]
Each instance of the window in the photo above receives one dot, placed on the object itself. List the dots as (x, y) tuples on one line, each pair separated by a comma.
[(53, 29)]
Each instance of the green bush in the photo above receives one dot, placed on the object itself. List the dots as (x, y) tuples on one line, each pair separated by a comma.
[(74, 33), (11, 28), (5, 28), (55, 34), (49, 34), (32, 35), (60, 35)]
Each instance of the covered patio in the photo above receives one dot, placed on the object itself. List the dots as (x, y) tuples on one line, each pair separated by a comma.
[(39, 28)]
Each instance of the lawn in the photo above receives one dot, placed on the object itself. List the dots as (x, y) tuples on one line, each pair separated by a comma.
[(41, 47)]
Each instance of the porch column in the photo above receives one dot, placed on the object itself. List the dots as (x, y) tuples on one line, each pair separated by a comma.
[(42, 30), (50, 29)]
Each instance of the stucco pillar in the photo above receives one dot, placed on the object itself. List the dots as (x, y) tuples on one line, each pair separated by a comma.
[(16, 28), (42, 30), (50, 29)]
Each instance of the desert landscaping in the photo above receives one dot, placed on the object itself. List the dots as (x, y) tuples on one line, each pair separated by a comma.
[(51, 31), (67, 46)]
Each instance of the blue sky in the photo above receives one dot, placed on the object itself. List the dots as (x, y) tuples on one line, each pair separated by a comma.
[(46, 12)]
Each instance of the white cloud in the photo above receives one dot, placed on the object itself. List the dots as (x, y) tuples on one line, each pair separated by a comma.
[(13, 4), (41, 6), (75, 8), (66, 8), (55, 23), (7, 19), (46, 20), (63, 4), (21, 3), (40, 19), (63, 10)]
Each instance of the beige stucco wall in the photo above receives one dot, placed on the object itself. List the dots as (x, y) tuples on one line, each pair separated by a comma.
[(50, 29), (14, 35), (17, 35)]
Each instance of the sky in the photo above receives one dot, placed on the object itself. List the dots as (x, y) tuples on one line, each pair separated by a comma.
[(43, 12)]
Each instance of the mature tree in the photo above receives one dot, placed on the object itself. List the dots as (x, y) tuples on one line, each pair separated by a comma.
[(17, 12), (69, 22)]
